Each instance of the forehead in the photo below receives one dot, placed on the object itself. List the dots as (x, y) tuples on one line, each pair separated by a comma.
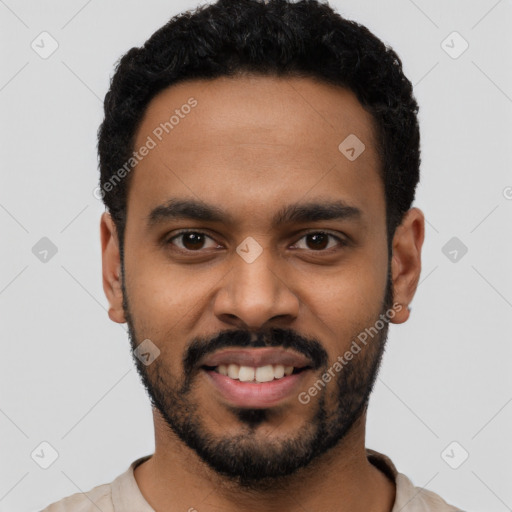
[(252, 142)]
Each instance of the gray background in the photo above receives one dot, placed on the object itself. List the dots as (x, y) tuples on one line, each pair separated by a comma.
[(67, 377)]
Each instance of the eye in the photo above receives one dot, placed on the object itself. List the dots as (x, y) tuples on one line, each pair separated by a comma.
[(319, 240), (191, 241), (194, 241)]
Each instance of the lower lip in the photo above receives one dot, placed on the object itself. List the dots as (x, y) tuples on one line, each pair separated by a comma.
[(256, 394)]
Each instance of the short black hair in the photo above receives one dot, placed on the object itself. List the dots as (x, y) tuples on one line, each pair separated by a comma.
[(281, 38)]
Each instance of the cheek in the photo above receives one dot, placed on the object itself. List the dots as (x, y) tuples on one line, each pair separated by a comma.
[(351, 299), (166, 297), (163, 297)]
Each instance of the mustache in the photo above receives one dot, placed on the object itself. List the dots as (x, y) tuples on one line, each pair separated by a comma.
[(274, 337)]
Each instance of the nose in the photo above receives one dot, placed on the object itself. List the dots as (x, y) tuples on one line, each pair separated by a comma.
[(255, 293)]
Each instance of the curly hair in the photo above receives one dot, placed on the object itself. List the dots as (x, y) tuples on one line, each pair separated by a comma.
[(306, 38)]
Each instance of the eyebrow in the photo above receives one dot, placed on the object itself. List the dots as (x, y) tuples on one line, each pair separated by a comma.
[(191, 209)]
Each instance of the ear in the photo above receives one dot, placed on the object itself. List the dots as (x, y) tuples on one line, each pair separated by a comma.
[(406, 261), (111, 261)]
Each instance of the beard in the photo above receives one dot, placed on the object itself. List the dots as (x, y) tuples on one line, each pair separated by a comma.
[(248, 458)]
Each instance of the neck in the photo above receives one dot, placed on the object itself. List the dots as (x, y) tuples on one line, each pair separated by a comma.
[(343, 479)]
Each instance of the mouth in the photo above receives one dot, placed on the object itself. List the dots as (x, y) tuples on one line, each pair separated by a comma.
[(261, 374), (256, 378)]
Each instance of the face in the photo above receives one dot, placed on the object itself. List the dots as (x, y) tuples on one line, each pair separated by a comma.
[(283, 267)]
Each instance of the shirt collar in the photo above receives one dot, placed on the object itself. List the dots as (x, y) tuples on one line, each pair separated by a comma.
[(126, 495)]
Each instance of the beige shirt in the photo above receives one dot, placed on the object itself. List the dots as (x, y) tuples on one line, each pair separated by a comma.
[(123, 494)]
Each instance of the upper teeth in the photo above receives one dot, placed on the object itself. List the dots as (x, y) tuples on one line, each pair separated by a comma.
[(259, 374)]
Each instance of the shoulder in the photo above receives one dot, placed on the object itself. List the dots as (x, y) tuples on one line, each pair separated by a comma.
[(100, 497), (411, 498), (408, 498)]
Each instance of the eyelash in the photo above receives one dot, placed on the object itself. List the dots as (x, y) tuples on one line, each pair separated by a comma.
[(342, 243)]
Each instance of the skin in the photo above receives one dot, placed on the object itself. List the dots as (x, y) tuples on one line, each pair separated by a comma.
[(252, 145)]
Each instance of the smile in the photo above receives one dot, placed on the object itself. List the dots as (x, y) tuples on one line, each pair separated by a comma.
[(252, 393), (265, 373)]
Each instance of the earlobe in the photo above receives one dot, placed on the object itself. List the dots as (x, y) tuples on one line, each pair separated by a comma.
[(111, 268), (406, 261)]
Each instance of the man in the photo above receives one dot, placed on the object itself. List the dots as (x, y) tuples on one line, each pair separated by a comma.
[(259, 161)]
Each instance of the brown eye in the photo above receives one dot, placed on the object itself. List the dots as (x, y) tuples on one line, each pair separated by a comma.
[(192, 241), (319, 241)]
